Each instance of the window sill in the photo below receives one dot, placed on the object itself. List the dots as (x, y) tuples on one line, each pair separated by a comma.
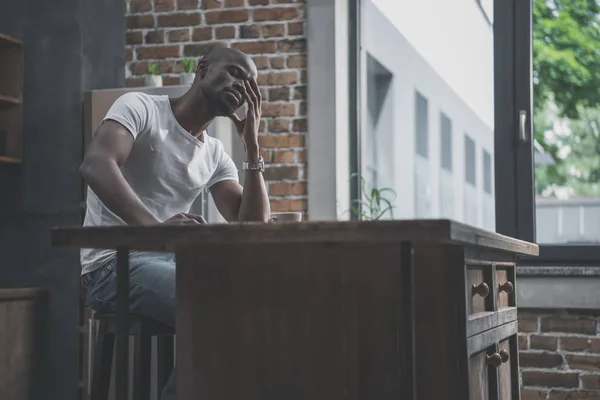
[(558, 287)]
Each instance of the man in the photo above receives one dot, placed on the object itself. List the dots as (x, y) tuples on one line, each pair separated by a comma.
[(150, 159)]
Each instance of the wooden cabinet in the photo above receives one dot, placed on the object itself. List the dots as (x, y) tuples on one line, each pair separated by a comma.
[(337, 310), (11, 99)]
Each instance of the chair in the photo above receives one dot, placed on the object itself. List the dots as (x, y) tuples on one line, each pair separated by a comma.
[(142, 329)]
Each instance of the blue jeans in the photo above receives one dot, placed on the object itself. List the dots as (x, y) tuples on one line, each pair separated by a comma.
[(151, 292)]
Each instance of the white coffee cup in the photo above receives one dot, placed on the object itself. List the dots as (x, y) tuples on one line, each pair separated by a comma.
[(285, 217)]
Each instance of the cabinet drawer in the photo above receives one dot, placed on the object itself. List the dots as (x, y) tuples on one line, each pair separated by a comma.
[(505, 286), (479, 290)]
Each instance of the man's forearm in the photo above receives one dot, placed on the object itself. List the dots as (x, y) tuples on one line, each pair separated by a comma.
[(107, 182), (255, 200)]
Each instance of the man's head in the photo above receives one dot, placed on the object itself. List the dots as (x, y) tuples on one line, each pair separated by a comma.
[(220, 77)]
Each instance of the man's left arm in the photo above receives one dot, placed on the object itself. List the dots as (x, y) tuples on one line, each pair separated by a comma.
[(250, 203)]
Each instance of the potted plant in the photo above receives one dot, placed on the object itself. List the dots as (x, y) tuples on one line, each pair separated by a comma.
[(375, 204), (154, 79), (187, 77)]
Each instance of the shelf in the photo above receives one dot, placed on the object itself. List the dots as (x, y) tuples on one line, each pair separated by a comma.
[(9, 160), (8, 101)]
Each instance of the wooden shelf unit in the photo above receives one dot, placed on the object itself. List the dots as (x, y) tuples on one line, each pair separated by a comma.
[(11, 99)]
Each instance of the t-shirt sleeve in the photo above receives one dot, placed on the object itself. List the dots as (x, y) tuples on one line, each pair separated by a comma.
[(226, 169), (131, 111)]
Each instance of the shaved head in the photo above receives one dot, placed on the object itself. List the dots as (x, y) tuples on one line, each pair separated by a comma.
[(221, 74)]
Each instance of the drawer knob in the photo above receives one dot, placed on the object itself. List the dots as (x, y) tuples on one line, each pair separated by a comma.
[(506, 287), (504, 355), (495, 360), (482, 289)]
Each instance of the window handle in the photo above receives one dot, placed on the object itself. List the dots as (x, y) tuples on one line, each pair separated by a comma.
[(523, 126)]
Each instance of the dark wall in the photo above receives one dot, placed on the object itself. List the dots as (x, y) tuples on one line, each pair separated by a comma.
[(70, 46)]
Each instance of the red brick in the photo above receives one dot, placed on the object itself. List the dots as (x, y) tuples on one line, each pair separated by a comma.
[(278, 78), (226, 16), (275, 14), (523, 342), (179, 35), (277, 62), (202, 34), (139, 6), (580, 344), (302, 108), (569, 324), (164, 5), (296, 61), (187, 4), (279, 94), (288, 205), (301, 156), (197, 50), (139, 21), (550, 379), (300, 125), (300, 93), (249, 31), (279, 173), (153, 52), (261, 125), (258, 2), (543, 342), (528, 324), (280, 141), (170, 80), (278, 110), (134, 82), (299, 188), (279, 125), (266, 154), (133, 37), (303, 77), (273, 30), (574, 395), (209, 4), (590, 363), (128, 54), (280, 188), (292, 46), (533, 394), (284, 156), (154, 37), (225, 32), (262, 62), (178, 19), (235, 3), (255, 47), (591, 381), (540, 360), (295, 28)]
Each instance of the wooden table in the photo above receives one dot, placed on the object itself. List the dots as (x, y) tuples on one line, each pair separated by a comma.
[(420, 309)]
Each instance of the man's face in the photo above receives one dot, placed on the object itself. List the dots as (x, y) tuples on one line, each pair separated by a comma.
[(223, 84)]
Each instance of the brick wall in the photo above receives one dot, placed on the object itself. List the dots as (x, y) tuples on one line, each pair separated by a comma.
[(559, 355), (272, 32)]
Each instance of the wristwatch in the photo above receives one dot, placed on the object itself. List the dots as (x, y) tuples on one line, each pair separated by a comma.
[(254, 165)]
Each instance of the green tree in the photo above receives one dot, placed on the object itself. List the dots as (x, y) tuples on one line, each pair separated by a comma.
[(566, 58)]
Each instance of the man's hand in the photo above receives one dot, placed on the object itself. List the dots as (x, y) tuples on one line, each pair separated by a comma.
[(185, 219), (247, 128)]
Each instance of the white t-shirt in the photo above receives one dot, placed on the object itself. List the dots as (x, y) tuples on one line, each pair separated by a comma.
[(167, 167)]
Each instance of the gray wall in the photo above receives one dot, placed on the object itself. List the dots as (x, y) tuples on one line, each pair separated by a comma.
[(70, 46)]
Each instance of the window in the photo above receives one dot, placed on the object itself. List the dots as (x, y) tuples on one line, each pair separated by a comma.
[(446, 142), (487, 172), (421, 125), (470, 174), (453, 72)]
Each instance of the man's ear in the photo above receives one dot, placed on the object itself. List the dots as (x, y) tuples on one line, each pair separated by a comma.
[(202, 68)]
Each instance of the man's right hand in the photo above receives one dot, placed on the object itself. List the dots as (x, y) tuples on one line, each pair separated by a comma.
[(185, 219)]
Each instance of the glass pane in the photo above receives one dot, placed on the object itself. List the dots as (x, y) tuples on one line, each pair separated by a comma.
[(428, 89), (567, 120)]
